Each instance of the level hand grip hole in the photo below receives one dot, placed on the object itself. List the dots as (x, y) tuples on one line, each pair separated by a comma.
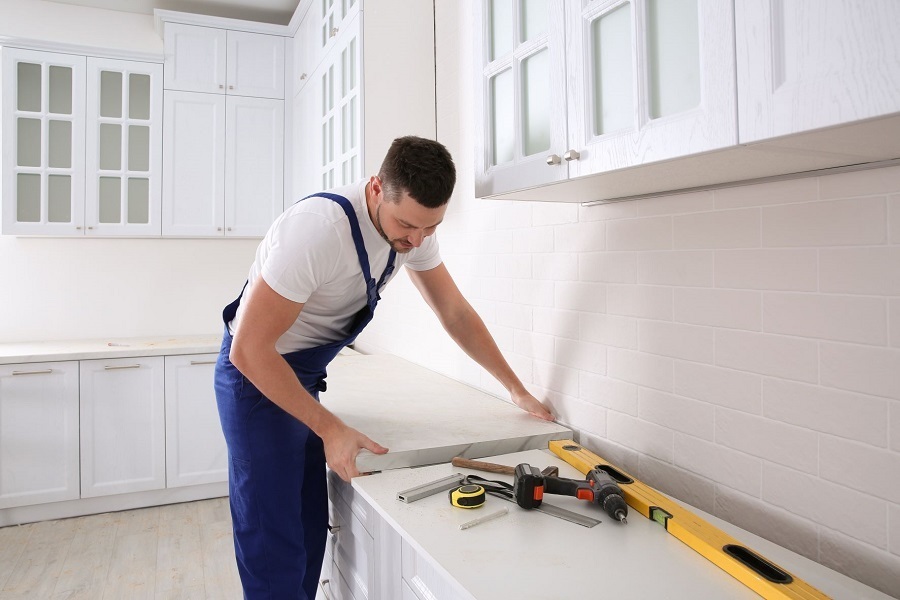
[(619, 476), (759, 564)]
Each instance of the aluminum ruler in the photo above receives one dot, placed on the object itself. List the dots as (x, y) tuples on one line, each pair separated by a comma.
[(750, 568)]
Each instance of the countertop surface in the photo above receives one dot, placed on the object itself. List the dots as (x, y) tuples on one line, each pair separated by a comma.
[(530, 555), (26, 352), (425, 418)]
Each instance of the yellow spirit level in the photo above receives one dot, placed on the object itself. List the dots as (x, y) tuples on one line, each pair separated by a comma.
[(750, 568)]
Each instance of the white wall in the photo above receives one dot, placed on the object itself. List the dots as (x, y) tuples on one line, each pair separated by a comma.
[(739, 349)]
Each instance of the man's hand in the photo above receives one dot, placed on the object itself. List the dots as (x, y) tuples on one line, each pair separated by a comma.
[(341, 447), (527, 402)]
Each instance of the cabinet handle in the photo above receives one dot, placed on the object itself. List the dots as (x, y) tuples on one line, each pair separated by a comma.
[(303, 76), (553, 159), (202, 362), (90, 226), (218, 229), (221, 87), (324, 585), (572, 155), (78, 227), (42, 372), (334, 32), (118, 367)]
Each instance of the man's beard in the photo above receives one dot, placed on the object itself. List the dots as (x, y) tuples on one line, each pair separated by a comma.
[(396, 245)]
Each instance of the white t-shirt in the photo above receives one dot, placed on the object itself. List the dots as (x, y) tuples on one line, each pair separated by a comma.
[(308, 256)]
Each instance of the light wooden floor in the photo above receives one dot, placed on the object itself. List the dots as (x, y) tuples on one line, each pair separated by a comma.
[(175, 551)]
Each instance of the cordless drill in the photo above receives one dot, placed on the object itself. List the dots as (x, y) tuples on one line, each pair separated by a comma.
[(530, 486)]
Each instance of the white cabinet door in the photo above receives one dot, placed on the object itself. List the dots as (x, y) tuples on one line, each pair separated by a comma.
[(254, 165), (43, 143), (38, 433), (255, 65), (520, 97), (195, 446), (649, 80), (195, 58), (122, 426), (317, 34), (193, 164), (124, 148), (808, 64)]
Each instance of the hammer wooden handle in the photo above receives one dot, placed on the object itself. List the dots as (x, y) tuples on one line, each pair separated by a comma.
[(478, 465)]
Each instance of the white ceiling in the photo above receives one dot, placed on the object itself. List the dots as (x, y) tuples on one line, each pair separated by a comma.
[(266, 11)]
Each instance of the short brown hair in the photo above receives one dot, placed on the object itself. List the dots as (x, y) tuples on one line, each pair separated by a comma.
[(422, 168)]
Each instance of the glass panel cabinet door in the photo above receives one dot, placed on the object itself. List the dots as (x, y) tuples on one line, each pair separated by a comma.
[(43, 161), (124, 141), (637, 94), (521, 102)]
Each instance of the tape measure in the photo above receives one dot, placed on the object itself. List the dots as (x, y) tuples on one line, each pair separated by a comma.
[(467, 496)]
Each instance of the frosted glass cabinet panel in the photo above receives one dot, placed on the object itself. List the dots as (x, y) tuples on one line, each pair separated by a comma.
[(43, 141), (520, 102), (124, 145)]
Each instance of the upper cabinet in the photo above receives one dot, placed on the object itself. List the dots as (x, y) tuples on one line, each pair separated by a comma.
[(650, 103), (81, 145), (357, 85), (206, 59)]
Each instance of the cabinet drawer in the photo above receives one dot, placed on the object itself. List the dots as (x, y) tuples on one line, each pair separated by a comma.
[(424, 580), (338, 488), (354, 552)]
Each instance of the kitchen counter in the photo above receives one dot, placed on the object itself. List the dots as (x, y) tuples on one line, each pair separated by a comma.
[(424, 417), (26, 352), (530, 555)]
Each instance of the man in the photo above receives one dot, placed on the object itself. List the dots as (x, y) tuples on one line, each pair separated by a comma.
[(312, 288)]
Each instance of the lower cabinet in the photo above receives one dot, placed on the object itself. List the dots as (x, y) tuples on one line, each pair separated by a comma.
[(38, 433), (367, 559), (122, 426)]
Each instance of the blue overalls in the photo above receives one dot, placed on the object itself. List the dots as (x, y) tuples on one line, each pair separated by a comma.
[(276, 466)]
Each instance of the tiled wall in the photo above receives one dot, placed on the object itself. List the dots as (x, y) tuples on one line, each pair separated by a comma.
[(736, 348)]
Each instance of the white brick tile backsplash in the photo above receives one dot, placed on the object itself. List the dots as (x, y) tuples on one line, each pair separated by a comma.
[(513, 315), (681, 414), (841, 508), (861, 467), (533, 292), (514, 215), (766, 269), (863, 369), (860, 561), (779, 356), (689, 342), (894, 218), (643, 369), (580, 237), (734, 309), (861, 183), (678, 203), (894, 427), (718, 463), (647, 301), (583, 356), (720, 229), (783, 528), (611, 330), (571, 411), (534, 345), (609, 267), (894, 320), (556, 266), (837, 223), (554, 213), (551, 376), (675, 268), (787, 445), (651, 233), (607, 212), (496, 289), (560, 323), (513, 266), (778, 192), (609, 393), (624, 459), (722, 387), (894, 532), (533, 239), (845, 414), (678, 483), (874, 271), (639, 435), (584, 296), (837, 318)]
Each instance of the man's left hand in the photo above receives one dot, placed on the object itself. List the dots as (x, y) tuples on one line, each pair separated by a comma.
[(527, 402)]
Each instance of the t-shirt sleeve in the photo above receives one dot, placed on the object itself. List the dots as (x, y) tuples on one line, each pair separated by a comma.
[(425, 257), (303, 253)]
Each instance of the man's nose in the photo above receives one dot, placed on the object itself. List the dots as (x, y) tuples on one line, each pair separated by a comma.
[(417, 237)]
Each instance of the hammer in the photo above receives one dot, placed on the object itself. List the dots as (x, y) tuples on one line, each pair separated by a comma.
[(478, 465)]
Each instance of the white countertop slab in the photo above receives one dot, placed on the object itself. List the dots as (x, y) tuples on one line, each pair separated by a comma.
[(25, 352), (529, 555), (424, 417)]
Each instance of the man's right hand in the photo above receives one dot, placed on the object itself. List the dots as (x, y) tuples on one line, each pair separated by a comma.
[(342, 445)]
